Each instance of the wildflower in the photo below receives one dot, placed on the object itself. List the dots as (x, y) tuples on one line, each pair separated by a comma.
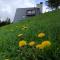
[(20, 35), (39, 46), (46, 43), (43, 44), (41, 35), (22, 43), (32, 43)]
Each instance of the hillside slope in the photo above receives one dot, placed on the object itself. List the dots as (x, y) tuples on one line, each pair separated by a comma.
[(48, 23)]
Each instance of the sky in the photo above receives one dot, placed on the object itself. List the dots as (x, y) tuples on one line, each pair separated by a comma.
[(8, 7)]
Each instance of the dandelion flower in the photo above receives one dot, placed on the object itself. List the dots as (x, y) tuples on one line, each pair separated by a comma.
[(20, 35), (22, 43), (43, 44), (41, 35), (39, 46), (46, 43), (32, 43)]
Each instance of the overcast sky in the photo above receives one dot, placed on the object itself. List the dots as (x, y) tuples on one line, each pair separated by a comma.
[(8, 7)]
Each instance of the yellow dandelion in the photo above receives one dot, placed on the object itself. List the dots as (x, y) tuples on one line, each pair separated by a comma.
[(46, 43), (41, 35), (22, 43), (43, 44), (39, 46), (32, 43), (20, 35)]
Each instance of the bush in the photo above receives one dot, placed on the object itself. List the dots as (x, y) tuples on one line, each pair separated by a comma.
[(3, 23)]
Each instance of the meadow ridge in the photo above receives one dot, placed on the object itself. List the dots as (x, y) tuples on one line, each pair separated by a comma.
[(42, 29)]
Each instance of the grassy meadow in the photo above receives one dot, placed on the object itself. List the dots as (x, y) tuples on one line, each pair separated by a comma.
[(28, 30)]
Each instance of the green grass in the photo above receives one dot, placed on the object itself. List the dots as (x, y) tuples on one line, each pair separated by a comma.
[(49, 23)]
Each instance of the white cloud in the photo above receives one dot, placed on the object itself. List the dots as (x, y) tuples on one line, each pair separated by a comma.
[(8, 7)]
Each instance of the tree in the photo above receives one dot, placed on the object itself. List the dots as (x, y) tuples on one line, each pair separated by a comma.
[(8, 20), (54, 3)]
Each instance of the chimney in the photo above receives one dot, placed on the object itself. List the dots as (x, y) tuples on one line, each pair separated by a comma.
[(40, 6)]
